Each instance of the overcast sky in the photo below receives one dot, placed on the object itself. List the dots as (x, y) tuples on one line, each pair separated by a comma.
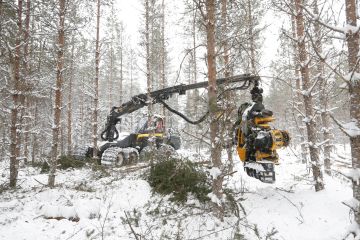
[(131, 13)]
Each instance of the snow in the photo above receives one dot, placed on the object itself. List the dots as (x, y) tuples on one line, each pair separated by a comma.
[(261, 135), (352, 77), (51, 211), (215, 199), (246, 111), (354, 174), (352, 203), (306, 120), (351, 128), (349, 29), (215, 172), (290, 205), (255, 166), (354, 228)]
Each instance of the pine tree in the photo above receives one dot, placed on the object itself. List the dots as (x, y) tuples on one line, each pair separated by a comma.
[(58, 93), (213, 107), (352, 39), (96, 81), (307, 96), (15, 61)]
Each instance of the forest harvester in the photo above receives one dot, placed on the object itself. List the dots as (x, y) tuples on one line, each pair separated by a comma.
[(255, 140)]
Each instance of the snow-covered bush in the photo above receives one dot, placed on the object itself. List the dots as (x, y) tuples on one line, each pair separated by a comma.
[(179, 177), (70, 162)]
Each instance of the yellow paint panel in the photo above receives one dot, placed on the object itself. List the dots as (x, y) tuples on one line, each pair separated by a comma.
[(242, 153), (260, 120), (260, 155), (145, 135)]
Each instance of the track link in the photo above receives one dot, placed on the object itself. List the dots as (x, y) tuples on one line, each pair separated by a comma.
[(116, 156), (262, 170), (82, 152)]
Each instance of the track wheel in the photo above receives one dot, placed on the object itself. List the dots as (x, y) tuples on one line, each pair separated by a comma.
[(82, 152), (133, 157), (147, 154), (113, 156), (120, 160)]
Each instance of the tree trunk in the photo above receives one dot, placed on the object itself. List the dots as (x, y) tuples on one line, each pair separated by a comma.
[(131, 84), (162, 67), (323, 95), (308, 101), (147, 45), (34, 139), (229, 103), (4, 134), (111, 77), (82, 111), (69, 107), (213, 107), (62, 136), (352, 39), (14, 149), (27, 79), (194, 80), (251, 39), (57, 107), (96, 98), (298, 95), (121, 97)]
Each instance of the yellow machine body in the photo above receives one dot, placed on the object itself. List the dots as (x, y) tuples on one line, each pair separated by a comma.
[(279, 139)]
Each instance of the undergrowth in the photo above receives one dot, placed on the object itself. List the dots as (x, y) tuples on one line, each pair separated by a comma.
[(66, 162), (179, 177)]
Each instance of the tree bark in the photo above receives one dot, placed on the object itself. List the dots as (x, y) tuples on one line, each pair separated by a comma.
[(147, 45), (308, 101), (162, 67), (149, 76), (27, 78), (352, 39), (34, 149), (229, 103), (96, 83), (298, 95), (14, 149), (57, 106), (121, 97), (111, 77), (213, 107), (69, 107), (4, 134), (323, 95), (251, 39), (132, 55), (194, 62)]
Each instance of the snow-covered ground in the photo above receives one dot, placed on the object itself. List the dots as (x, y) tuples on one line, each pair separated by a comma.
[(122, 205)]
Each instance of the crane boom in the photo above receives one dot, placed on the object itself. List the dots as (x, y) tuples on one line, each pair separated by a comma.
[(139, 101)]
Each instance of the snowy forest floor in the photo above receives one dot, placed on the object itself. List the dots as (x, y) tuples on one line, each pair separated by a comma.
[(122, 205)]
